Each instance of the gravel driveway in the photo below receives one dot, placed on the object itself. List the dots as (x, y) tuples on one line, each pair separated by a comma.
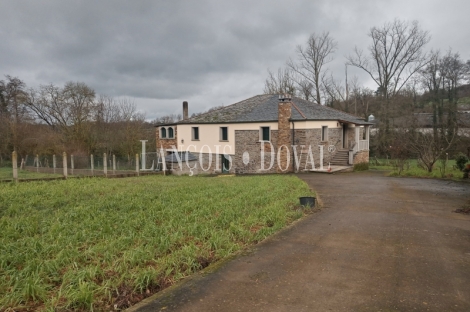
[(379, 244)]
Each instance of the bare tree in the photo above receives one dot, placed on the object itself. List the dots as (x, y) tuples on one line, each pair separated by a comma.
[(172, 118), (305, 89), (395, 55), (311, 60), (132, 127), (280, 83), (335, 93), (70, 109), (13, 111), (440, 79), (428, 147)]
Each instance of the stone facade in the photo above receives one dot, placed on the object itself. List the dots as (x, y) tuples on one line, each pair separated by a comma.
[(351, 137), (191, 168), (312, 137), (361, 157), (248, 149), (167, 143), (206, 164), (284, 137)]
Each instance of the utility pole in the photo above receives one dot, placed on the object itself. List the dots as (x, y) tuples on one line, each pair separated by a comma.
[(347, 87)]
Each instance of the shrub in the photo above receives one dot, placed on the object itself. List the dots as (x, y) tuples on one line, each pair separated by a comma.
[(361, 166), (460, 161)]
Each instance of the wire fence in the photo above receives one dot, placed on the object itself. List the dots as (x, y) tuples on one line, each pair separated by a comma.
[(33, 167)]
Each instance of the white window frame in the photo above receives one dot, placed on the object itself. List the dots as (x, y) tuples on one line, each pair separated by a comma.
[(161, 133)]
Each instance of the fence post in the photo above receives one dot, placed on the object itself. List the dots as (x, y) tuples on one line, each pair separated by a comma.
[(64, 162), (54, 162), (137, 163), (105, 165), (114, 164), (72, 164), (37, 162), (92, 164), (14, 159)]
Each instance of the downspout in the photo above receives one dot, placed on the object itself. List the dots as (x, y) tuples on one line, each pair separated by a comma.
[(292, 145)]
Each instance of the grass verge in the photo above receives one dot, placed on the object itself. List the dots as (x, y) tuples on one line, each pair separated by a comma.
[(104, 244), (413, 170)]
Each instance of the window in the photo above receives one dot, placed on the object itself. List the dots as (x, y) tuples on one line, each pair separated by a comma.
[(264, 134), (195, 133), (163, 133), (171, 134), (223, 133), (324, 133)]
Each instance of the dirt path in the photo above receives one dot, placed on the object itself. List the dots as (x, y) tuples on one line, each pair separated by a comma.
[(379, 244)]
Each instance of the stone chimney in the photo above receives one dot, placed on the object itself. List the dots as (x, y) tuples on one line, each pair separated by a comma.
[(185, 110), (284, 134)]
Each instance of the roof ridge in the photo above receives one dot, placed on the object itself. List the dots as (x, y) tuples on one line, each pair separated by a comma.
[(331, 108), (300, 112), (220, 108)]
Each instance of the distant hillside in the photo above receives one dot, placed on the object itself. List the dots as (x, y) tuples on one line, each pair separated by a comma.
[(463, 91)]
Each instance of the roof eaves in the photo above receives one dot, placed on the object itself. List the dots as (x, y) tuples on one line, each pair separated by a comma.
[(226, 122)]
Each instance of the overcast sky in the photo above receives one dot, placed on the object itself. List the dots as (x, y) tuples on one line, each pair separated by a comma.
[(209, 53)]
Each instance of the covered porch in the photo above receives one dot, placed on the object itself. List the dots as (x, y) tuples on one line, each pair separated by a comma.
[(355, 139)]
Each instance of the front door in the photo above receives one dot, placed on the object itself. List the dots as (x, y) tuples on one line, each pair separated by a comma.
[(225, 164)]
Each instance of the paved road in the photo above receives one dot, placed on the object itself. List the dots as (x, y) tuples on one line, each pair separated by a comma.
[(379, 244)]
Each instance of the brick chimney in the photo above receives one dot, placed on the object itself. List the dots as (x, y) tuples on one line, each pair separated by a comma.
[(185, 110), (284, 133)]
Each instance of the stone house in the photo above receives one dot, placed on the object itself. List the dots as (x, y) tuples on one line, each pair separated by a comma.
[(266, 134)]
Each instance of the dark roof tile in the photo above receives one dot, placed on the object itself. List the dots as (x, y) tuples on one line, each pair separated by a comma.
[(262, 108)]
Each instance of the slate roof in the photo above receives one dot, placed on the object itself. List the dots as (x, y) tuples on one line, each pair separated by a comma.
[(262, 108)]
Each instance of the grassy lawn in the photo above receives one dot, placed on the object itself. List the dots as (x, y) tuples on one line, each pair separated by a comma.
[(96, 243), (7, 174), (413, 170)]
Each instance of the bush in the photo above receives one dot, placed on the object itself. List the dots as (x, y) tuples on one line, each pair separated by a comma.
[(361, 166), (460, 161)]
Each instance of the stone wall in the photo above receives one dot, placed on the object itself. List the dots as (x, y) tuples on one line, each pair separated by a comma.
[(206, 164), (248, 149), (351, 136), (361, 157), (166, 143), (284, 137), (190, 168), (312, 137), (247, 143)]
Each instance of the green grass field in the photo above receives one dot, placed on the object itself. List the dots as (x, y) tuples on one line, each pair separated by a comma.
[(7, 174), (96, 243), (413, 170)]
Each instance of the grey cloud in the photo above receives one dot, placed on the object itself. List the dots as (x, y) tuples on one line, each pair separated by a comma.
[(207, 52)]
